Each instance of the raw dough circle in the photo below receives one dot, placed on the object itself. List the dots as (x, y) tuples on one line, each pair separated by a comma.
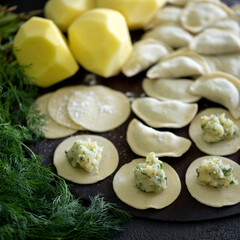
[(214, 197), (107, 165), (223, 148), (129, 193), (57, 106), (51, 130), (99, 108)]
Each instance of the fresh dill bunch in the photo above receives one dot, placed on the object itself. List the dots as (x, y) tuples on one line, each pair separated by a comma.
[(37, 204), (17, 94)]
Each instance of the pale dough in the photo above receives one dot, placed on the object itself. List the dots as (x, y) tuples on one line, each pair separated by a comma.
[(51, 130), (99, 108), (143, 140), (222, 148), (57, 106), (107, 165), (169, 89), (214, 197), (158, 114), (129, 193)]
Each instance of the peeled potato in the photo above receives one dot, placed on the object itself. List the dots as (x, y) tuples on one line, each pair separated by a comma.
[(41, 47), (63, 12), (136, 12), (100, 41)]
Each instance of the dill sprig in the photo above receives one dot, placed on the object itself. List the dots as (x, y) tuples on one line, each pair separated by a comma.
[(31, 206), (35, 203)]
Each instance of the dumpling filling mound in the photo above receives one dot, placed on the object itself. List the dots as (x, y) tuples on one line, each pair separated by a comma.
[(85, 154), (212, 172), (150, 176), (217, 128)]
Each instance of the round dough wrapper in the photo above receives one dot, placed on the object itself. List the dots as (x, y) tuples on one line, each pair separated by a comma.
[(107, 165), (214, 197), (99, 108), (51, 130), (129, 193), (169, 89), (143, 140), (57, 106), (223, 148), (171, 114)]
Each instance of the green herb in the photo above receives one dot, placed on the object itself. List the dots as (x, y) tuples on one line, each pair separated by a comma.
[(10, 21), (232, 182), (35, 203), (197, 172)]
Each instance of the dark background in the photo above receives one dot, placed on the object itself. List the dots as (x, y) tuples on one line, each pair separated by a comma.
[(166, 226)]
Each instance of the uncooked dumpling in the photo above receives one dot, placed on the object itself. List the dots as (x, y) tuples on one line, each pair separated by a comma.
[(51, 129), (169, 89), (199, 14), (128, 192), (216, 41), (236, 9), (145, 53), (179, 64), (214, 197), (172, 34), (169, 14), (99, 108), (107, 165), (169, 114), (221, 88), (230, 23), (143, 140), (228, 63), (222, 148)]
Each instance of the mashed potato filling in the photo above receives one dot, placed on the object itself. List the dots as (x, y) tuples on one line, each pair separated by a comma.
[(212, 172), (217, 128), (85, 154), (150, 176)]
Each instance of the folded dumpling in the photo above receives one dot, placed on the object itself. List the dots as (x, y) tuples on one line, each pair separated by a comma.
[(179, 64), (236, 9), (145, 53), (219, 87), (169, 14), (230, 23), (143, 140), (167, 114), (214, 41), (199, 14), (228, 63), (169, 89), (172, 34)]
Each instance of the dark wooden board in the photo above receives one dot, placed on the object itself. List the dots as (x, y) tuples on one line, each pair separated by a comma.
[(185, 208)]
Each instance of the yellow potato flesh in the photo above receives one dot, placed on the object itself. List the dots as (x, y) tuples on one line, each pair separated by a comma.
[(64, 12), (136, 12), (40, 46), (100, 41)]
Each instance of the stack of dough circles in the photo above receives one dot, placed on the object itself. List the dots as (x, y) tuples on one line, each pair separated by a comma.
[(99, 108), (51, 129), (107, 165), (222, 148), (127, 191), (57, 106), (214, 197)]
